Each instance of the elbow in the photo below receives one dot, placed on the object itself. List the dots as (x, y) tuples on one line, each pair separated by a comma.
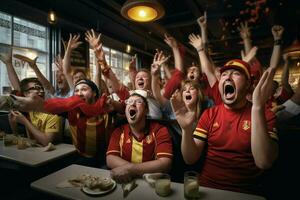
[(264, 164)]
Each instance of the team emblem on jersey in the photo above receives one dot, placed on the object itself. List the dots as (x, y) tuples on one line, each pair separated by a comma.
[(149, 139), (246, 124)]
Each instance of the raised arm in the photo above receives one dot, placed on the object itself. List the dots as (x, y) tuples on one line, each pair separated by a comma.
[(73, 43), (285, 75), (206, 64), (12, 75), (94, 40), (246, 36), (202, 21), (191, 149), (32, 63), (158, 60), (176, 53), (264, 149), (277, 32), (132, 70)]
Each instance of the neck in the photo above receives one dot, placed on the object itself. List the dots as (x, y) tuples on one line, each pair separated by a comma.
[(238, 105), (138, 128)]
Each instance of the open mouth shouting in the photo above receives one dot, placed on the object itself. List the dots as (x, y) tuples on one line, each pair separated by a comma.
[(229, 91), (132, 113), (140, 84)]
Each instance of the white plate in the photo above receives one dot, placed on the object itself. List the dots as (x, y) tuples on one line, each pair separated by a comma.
[(98, 191)]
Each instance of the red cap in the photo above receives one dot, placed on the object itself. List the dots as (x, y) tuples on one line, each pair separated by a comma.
[(239, 65)]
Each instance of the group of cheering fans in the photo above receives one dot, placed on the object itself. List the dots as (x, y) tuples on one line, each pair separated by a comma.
[(225, 116)]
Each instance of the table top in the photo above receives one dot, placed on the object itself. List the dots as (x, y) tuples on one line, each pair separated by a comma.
[(143, 191), (34, 156)]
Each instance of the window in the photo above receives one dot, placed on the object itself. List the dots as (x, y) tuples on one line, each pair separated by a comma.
[(26, 38), (118, 61)]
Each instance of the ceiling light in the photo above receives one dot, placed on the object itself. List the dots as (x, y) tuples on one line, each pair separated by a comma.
[(143, 10), (52, 17)]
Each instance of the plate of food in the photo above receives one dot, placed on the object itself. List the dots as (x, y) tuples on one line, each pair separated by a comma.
[(99, 186)]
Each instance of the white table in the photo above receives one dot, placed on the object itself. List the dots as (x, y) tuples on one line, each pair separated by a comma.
[(143, 191), (34, 156)]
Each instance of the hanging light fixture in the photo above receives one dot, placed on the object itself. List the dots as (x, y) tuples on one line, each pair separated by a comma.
[(52, 19), (142, 10), (293, 51)]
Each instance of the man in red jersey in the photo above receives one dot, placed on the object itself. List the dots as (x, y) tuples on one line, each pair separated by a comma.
[(240, 137), (140, 146)]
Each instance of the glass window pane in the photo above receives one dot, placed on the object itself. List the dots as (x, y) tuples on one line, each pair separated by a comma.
[(5, 28), (30, 35), (116, 59)]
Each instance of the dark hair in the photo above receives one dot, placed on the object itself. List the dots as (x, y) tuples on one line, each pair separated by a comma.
[(25, 81)]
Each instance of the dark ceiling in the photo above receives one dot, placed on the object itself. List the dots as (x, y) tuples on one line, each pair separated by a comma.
[(180, 20)]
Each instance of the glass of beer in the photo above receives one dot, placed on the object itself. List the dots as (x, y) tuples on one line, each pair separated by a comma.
[(191, 185), (163, 185)]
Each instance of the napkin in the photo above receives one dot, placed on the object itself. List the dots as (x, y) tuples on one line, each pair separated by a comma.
[(151, 178), (128, 187)]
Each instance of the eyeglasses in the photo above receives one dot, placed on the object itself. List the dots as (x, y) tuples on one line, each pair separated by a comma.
[(36, 88), (134, 101)]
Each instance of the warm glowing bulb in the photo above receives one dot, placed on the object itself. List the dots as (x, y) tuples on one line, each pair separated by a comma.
[(142, 13), (52, 17), (128, 48), (298, 64)]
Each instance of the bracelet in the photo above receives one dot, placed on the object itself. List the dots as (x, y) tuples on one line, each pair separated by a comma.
[(277, 42), (200, 49)]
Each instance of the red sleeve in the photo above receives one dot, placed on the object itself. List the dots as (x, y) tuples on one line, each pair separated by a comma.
[(284, 96), (163, 143), (123, 93), (114, 143), (61, 105), (271, 124), (201, 131), (173, 83), (256, 69), (214, 93)]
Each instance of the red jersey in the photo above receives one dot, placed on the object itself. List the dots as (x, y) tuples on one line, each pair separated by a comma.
[(157, 143), (229, 162), (88, 123)]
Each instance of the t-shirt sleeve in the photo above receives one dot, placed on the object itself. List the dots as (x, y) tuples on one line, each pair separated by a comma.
[(271, 124), (114, 143), (173, 83), (201, 131), (164, 143)]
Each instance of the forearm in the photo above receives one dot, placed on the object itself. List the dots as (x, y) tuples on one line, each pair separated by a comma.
[(44, 81), (189, 149), (167, 71), (39, 136), (275, 58), (264, 149), (114, 81), (156, 90), (115, 161), (67, 68), (204, 37), (207, 68), (247, 45), (160, 165), (97, 76), (13, 77), (177, 58)]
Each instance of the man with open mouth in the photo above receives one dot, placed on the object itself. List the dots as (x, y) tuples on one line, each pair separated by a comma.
[(240, 137), (141, 146)]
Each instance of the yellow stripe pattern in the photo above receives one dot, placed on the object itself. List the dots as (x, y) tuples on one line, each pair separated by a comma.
[(137, 151)]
